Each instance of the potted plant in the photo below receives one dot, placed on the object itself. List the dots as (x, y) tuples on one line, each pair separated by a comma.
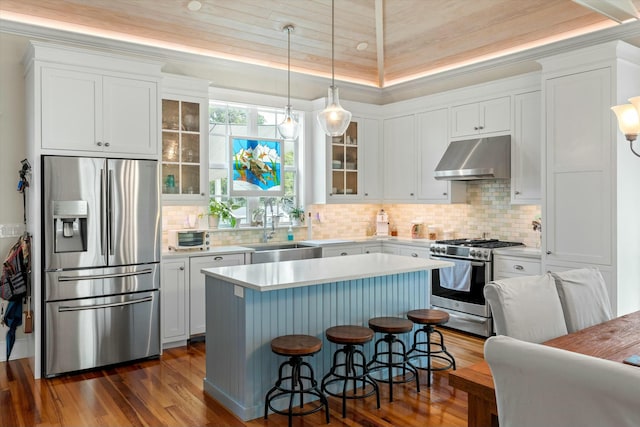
[(297, 216), (219, 210)]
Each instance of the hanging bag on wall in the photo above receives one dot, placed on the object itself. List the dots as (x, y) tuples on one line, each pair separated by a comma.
[(15, 271)]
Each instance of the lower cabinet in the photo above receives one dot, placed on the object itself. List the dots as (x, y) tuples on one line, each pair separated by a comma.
[(505, 267), (197, 311), (174, 289), (342, 250)]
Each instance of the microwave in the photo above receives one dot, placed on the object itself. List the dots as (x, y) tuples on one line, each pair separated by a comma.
[(180, 240)]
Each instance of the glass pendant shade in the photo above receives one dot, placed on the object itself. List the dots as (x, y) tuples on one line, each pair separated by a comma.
[(334, 119), (628, 120), (288, 128)]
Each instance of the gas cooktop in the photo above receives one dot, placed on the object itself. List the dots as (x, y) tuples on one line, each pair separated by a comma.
[(478, 243)]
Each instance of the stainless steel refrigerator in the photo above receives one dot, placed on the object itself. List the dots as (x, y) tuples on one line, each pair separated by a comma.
[(101, 278)]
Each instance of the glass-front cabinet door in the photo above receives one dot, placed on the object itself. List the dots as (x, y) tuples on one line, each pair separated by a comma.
[(344, 154), (182, 149)]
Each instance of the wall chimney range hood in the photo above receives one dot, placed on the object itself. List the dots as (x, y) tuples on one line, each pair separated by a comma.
[(475, 159)]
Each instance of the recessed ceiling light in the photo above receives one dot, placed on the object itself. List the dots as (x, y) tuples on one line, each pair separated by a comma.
[(362, 46), (194, 5)]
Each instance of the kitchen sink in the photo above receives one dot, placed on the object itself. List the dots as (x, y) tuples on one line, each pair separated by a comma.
[(283, 252)]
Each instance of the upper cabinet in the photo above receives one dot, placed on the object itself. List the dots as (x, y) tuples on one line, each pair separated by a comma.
[(92, 103), (526, 146), (349, 165), (185, 112), (85, 111), (400, 179), (433, 140), (490, 116)]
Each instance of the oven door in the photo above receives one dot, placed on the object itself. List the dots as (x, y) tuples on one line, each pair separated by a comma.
[(471, 302)]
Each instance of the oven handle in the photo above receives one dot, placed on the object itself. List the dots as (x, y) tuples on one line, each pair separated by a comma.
[(468, 317), (64, 308), (473, 264)]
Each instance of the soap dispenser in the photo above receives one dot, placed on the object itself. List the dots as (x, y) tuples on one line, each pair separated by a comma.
[(290, 233)]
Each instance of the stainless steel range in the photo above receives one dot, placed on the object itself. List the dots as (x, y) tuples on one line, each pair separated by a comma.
[(459, 290)]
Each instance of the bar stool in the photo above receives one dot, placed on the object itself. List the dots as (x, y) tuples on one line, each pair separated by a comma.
[(390, 359), (348, 368), (296, 383), (433, 350)]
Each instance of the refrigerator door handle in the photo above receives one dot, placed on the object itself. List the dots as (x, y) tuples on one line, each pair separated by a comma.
[(103, 276), (103, 231), (110, 202), (64, 308)]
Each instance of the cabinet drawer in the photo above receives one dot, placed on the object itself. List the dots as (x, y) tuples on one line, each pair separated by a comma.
[(508, 267), (341, 251), (415, 252)]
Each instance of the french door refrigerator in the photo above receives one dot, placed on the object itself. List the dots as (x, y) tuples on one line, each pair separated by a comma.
[(101, 279)]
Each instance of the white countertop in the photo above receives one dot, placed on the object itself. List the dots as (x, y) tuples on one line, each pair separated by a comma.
[(291, 274), (521, 251)]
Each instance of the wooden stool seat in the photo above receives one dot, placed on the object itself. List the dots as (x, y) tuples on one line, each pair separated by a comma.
[(296, 345), (428, 317), (390, 325), (349, 334)]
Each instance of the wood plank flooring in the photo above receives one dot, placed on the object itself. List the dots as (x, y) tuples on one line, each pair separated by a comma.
[(168, 392)]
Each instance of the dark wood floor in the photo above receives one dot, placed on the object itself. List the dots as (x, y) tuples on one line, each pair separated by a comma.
[(168, 392)]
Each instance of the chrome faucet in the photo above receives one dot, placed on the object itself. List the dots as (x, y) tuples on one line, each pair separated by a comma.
[(268, 235)]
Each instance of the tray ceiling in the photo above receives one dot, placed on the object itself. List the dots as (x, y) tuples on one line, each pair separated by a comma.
[(405, 39)]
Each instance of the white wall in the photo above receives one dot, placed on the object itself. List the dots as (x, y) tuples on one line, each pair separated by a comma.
[(12, 151)]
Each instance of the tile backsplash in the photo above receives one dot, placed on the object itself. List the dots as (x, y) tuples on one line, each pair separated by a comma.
[(488, 211)]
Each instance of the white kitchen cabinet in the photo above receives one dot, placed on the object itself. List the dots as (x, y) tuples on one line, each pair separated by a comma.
[(591, 197), (414, 252), (478, 118), (174, 290), (185, 125), (374, 248), (342, 250), (85, 111), (433, 140), (349, 165), (400, 179), (526, 148), (197, 310), (513, 266)]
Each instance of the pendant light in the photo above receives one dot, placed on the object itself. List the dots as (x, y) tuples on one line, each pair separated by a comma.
[(288, 128), (334, 119)]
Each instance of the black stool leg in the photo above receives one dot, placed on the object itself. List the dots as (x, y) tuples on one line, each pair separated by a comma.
[(418, 352)]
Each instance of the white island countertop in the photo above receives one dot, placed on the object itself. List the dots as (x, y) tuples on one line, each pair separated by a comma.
[(292, 274)]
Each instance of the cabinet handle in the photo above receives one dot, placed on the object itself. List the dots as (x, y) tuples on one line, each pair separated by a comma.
[(518, 267), (444, 194), (106, 144), (99, 143), (202, 194), (181, 267), (415, 255), (366, 194), (475, 128), (218, 258), (548, 252), (516, 193), (343, 254), (411, 194), (480, 127)]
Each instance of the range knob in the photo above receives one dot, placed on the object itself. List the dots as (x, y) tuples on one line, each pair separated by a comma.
[(472, 252)]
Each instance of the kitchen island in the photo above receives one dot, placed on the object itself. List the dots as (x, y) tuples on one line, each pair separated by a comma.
[(249, 305)]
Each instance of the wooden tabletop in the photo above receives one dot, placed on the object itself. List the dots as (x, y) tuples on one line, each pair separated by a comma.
[(614, 340)]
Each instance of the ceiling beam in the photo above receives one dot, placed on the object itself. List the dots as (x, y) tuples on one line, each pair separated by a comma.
[(380, 41)]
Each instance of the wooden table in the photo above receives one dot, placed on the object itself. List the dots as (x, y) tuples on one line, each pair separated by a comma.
[(614, 340)]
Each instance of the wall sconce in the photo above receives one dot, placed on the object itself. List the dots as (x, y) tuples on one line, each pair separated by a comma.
[(629, 120)]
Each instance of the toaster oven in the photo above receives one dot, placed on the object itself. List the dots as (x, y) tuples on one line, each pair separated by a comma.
[(181, 240)]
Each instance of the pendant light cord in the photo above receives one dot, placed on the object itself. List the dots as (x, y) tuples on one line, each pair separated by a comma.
[(333, 73), (289, 66)]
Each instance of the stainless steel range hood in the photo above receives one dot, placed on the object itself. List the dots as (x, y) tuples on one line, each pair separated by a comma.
[(473, 159)]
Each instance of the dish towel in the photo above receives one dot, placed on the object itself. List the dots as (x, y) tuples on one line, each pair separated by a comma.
[(458, 277)]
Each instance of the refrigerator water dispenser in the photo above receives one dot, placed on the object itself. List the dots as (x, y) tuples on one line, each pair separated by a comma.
[(70, 225)]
